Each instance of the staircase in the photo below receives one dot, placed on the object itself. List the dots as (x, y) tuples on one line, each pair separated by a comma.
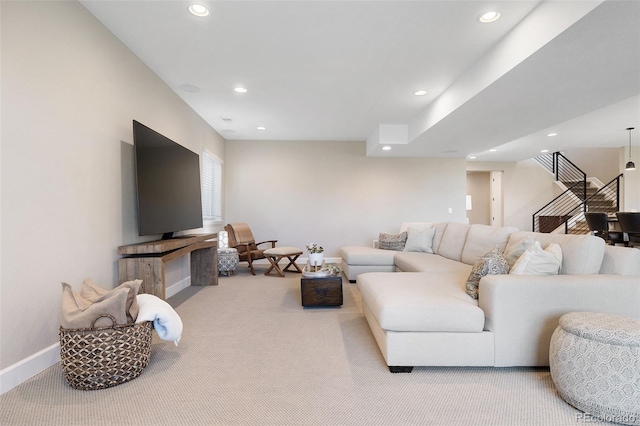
[(597, 201), (565, 213)]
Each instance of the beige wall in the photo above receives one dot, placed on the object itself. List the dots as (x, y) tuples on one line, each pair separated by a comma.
[(602, 163), (70, 90), (479, 188), (526, 187), (331, 194)]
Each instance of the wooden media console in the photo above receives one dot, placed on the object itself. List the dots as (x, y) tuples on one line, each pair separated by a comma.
[(145, 261)]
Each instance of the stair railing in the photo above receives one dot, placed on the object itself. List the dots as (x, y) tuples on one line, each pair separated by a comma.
[(558, 211), (567, 205), (606, 199), (602, 199)]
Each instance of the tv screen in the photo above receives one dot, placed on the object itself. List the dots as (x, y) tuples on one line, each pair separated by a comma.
[(167, 184)]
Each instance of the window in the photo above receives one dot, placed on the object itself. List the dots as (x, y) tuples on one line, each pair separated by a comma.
[(211, 187)]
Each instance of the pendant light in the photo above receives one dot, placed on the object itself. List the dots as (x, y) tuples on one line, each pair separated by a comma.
[(630, 165)]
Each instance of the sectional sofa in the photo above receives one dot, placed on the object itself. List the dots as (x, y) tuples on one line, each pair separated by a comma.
[(423, 311)]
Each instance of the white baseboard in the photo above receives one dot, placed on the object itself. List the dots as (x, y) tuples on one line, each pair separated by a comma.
[(23, 370), (177, 287)]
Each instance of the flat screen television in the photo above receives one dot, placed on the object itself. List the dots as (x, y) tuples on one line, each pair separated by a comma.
[(167, 184)]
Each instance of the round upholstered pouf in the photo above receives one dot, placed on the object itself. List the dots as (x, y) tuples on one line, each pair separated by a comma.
[(595, 365), (227, 260)]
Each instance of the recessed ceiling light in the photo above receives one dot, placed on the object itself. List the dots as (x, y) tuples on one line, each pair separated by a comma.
[(472, 157), (552, 134), (240, 90), (492, 150), (420, 92), (386, 148), (489, 17), (261, 128), (198, 10), (544, 150)]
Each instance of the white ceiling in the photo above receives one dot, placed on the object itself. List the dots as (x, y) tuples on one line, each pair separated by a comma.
[(339, 70)]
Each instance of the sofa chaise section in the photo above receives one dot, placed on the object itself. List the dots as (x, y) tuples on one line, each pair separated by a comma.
[(423, 315)]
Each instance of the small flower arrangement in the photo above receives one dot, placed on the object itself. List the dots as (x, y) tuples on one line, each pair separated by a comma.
[(314, 248)]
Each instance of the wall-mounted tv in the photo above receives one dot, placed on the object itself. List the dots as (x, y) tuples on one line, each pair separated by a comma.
[(167, 184)]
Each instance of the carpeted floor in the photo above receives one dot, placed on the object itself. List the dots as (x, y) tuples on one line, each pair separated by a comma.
[(251, 355)]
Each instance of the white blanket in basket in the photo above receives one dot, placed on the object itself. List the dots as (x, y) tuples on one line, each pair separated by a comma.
[(166, 320)]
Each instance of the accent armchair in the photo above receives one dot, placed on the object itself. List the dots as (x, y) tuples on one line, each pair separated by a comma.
[(241, 238)]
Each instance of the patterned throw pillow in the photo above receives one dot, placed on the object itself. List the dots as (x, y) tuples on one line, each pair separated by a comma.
[(392, 242), (492, 263)]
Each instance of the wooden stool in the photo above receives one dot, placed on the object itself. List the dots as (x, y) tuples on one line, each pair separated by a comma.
[(276, 254)]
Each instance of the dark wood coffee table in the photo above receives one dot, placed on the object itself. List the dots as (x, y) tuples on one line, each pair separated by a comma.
[(321, 291)]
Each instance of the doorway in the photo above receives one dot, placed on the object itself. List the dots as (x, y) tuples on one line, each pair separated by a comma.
[(484, 189)]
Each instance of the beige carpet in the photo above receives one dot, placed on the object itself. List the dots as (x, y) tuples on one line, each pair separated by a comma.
[(251, 355)]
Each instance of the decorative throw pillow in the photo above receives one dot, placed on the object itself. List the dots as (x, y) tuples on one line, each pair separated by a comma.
[(536, 261), (492, 263), (513, 252), (93, 292), (420, 240), (392, 242), (78, 312)]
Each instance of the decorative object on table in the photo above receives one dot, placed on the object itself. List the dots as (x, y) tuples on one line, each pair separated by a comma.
[(227, 261), (316, 255), (327, 270)]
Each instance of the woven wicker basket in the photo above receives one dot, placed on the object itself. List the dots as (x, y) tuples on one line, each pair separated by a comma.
[(102, 357)]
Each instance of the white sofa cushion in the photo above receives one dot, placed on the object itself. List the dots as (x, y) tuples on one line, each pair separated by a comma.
[(453, 240), (359, 255), (437, 237), (421, 226), (424, 262), (536, 261), (513, 252), (582, 254), (431, 302), (620, 261), (481, 239), (420, 239)]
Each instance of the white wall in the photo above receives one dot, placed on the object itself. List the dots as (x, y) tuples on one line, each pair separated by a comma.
[(331, 194), (70, 90), (527, 186)]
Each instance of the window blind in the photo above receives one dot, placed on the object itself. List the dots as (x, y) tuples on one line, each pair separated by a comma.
[(211, 187)]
